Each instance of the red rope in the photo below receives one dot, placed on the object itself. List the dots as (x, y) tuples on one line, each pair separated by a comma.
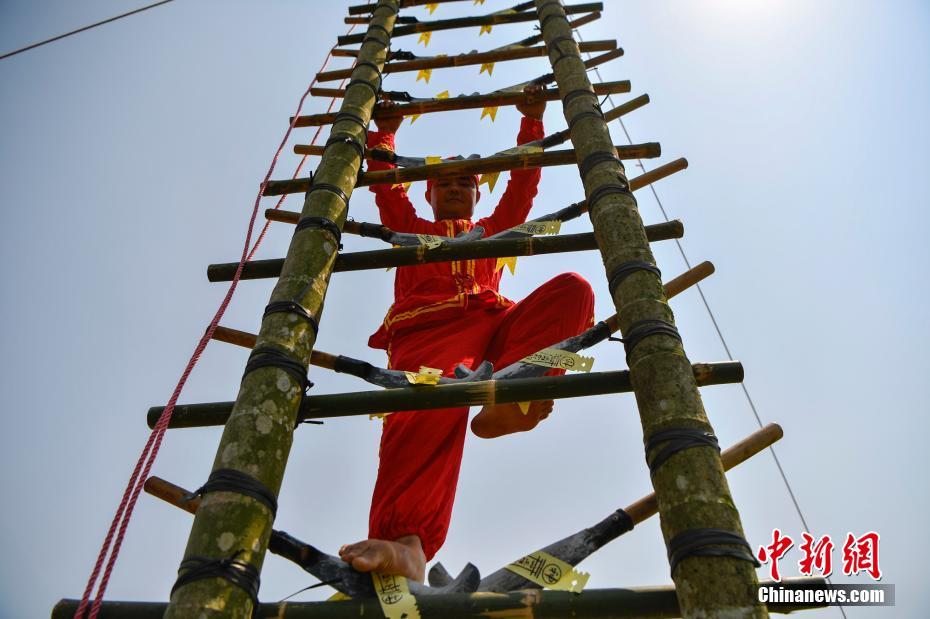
[(147, 458)]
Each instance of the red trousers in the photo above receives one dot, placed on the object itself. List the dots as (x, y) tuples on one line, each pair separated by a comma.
[(421, 451)]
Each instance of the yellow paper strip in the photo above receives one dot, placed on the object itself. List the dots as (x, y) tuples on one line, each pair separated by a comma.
[(539, 227), (555, 358), (510, 263), (433, 160), (425, 37), (484, 29), (489, 179), (549, 572), (477, 2), (424, 74), (338, 597), (432, 7), (414, 117), (524, 407), (394, 596), (426, 376), (489, 111), (443, 95), (487, 66)]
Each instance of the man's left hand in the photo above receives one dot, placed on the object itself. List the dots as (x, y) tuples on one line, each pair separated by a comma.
[(534, 106)]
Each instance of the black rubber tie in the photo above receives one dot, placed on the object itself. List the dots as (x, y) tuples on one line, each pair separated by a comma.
[(277, 307), (578, 92), (646, 328), (550, 16), (676, 439), (239, 573), (358, 120), (369, 37), (600, 156), (331, 188), (274, 358), (595, 113), (379, 27), (231, 480), (708, 543), (323, 224), (375, 90), (373, 66), (345, 138), (607, 189), (625, 269)]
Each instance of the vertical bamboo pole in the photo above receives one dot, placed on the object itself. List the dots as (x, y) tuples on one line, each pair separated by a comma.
[(257, 438), (691, 487)]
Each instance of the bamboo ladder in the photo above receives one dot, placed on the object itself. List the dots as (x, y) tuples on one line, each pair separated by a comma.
[(664, 381)]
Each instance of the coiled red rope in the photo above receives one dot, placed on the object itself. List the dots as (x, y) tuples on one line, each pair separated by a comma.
[(117, 530)]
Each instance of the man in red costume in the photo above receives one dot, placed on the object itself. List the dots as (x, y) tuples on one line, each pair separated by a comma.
[(444, 314)]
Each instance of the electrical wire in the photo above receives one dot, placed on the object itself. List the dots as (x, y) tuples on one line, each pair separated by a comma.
[(68, 34)]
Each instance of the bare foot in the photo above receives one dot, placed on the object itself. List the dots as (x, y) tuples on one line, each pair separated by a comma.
[(402, 557), (501, 419)]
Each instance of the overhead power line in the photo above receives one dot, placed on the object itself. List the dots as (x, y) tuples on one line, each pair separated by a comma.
[(68, 34)]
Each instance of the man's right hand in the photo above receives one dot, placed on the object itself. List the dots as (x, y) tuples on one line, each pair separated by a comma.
[(388, 124)]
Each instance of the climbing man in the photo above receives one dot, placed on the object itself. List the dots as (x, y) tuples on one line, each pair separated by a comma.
[(445, 314)]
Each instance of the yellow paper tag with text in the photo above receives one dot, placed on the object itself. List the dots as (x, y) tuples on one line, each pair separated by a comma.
[(487, 66), (424, 38), (489, 111), (486, 28), (426, 376), (539, 227), (395, 597), (549, 572), (563, 359), (424, 74)]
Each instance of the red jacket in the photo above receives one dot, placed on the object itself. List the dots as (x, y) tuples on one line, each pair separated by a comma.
[(440, 291)]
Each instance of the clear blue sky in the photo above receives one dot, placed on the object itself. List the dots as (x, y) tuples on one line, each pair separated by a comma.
[(130, 160)]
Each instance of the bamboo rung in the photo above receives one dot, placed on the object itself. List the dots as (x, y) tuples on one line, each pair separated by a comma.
[(408, 256), (361, 9), (468, 102), (494, 19), (449, 396), (467, 167), (533, 40), (628, 602), (464, 60), (542, 80)]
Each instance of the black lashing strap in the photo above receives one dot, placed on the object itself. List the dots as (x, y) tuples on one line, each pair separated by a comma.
[(323, 224), (231, 569), (272, 357), (708, 543), (231, 480), (676, 439)]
